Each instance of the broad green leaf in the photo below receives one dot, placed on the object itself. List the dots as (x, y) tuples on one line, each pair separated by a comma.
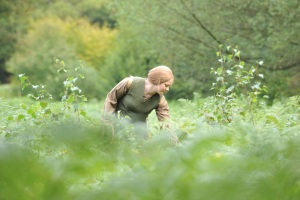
[(219, 71), (48, 111), (261, 75), (62, 63), (81, 76), (230, 89), (229, 72), (219, 78), (31, 112), (10, 118), (256, 86), (43, 104), (23, 78), (83, 113), (20, 117), (24, 106), (70, 99), (24, 86)]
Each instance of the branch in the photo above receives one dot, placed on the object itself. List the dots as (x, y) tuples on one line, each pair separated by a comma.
[(284, 67), (201, 24), (277, 67), (181, 33), (189, 37)]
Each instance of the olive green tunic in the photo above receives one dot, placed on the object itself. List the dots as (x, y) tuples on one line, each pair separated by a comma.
[(133, 104)]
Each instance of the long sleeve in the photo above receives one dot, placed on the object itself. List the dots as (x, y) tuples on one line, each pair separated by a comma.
[(162, 111), (111, 101)]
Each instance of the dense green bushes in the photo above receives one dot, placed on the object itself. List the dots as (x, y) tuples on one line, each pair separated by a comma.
[(129, 58), (187, 33), (67, 154), (67, 40), (232, 145), (241, 162), (141, 35)]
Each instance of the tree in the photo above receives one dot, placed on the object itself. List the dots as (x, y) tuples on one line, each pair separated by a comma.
[(69, 40), (186, 33), (14, 16)]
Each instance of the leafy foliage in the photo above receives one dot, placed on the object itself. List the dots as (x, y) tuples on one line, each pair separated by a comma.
[(234, 80), (128, 58), (14, 21), (65, 153), (219, 162), (96, 11), (68, 40), (180, 34), (185, 33)]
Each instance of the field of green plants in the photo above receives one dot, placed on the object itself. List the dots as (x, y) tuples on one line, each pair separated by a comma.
[(234, 131), (233, 145), (73, 157)]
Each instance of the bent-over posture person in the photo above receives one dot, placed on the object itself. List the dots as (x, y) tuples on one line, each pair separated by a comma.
[(136, 97)]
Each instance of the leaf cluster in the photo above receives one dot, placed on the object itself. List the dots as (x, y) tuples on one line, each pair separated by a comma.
[(72, 155), (68, 40), (184, 33), (235, 80)]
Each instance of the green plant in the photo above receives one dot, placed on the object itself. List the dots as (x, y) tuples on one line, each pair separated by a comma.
[(235, 80), (68, 40), (65, 158), (71, 97)]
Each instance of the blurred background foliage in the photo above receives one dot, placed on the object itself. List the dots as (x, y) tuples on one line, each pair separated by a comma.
[(68, 40), (60, 150), (75, 158), (115, 39)]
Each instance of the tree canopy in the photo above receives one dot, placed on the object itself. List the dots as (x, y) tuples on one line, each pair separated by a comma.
[(184, 35), (187, 34)]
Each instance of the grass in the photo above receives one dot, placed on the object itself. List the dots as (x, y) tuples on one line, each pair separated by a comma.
[(72, 159)]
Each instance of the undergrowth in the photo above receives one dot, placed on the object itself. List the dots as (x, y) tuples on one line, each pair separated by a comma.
[(230, 146)]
